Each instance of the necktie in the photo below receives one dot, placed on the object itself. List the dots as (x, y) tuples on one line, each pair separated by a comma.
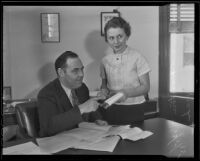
[(75, 101)]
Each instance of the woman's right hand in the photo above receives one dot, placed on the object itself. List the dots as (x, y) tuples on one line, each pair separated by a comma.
[(103, 94)]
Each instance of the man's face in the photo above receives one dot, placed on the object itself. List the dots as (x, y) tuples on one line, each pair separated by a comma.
[(116, 38), (73, 73)]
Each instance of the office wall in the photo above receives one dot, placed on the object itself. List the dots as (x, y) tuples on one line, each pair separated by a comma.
[(29, 63)]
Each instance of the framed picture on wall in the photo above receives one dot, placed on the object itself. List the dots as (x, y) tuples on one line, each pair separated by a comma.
[(105, 17), (7, 93), (50, 27)]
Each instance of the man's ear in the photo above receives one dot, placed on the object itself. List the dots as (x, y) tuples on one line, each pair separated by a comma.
[(61, 72)]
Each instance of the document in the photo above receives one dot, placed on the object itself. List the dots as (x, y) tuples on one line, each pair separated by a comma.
[(107, 103), (24, 149), (114, 98), (138, 135), (56, 143), (104, 144)]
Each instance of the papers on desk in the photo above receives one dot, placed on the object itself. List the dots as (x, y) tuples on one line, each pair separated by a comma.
[(22, 149), (79, 138), (91, 136), (124, 131), (103, 144), (56, 143)]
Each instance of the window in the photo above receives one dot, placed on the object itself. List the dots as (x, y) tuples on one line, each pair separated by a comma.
[(181, 53)]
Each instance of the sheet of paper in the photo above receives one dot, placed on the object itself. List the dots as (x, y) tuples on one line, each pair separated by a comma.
[(69, 139), (105, 144), (130, 132), (22, 149), (125, 132), (56, 143), (85, 134), (141, 135)]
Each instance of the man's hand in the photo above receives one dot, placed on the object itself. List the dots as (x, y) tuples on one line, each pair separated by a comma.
[(89, 106), (101, 122)]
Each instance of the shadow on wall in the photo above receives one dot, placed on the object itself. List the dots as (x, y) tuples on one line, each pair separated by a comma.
[(45, 75), (96, 48)]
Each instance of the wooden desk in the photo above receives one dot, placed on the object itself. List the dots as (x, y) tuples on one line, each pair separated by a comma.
[(170, 139)]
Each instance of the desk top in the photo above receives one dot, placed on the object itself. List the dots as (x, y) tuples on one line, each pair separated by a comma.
[(169, 139)]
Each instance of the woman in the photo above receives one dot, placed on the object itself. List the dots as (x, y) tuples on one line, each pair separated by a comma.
[(123, 69)]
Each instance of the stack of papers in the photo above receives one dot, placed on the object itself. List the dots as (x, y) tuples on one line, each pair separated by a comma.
[(23, 149), (79, 138), (91, 136)]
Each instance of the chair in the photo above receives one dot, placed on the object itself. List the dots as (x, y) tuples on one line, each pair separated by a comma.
[(9, 132), (27, 118)]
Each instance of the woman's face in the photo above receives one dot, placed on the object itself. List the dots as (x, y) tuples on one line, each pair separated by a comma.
[(116, 38)]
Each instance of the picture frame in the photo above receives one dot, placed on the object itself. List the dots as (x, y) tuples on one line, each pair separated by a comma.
[(105, 17), (7, 93), (50, 27)]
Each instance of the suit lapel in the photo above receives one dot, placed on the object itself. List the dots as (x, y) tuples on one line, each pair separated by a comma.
[(62, 96)]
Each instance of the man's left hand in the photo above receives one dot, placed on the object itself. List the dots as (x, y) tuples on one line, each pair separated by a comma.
[(101, 122)]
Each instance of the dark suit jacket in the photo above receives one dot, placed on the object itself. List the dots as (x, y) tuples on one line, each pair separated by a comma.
[(56, 113)]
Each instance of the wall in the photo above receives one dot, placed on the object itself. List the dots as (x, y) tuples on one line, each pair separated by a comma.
[(29, 63)]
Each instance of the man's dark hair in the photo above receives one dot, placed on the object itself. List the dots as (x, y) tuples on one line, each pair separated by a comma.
[(117, 22), (61, 60)]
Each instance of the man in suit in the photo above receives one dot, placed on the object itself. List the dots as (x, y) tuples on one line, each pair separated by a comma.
[(65, 102)]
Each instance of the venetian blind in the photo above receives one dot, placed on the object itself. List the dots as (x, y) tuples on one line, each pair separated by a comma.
[(181, 18)]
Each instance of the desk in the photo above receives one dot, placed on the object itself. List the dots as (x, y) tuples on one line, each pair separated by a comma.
[(170, 139)]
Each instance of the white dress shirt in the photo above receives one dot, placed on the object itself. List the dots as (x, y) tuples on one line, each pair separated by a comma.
[(123, 71), (68, 92)]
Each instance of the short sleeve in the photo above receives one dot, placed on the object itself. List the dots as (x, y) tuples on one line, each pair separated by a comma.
[(142, 66), (102, 71)]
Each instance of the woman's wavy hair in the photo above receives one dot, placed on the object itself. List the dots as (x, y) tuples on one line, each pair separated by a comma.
[(117, 22)]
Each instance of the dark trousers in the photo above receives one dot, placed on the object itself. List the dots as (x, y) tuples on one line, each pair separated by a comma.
[(123, 114)]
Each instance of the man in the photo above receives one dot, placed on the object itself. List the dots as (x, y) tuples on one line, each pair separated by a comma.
[(58, 109)]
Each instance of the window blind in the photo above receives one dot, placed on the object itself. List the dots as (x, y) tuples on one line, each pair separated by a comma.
[(181, 18)]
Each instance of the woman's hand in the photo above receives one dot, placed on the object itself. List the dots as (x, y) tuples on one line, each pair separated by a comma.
[(103, 94), (101, 122), (113, 92)]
